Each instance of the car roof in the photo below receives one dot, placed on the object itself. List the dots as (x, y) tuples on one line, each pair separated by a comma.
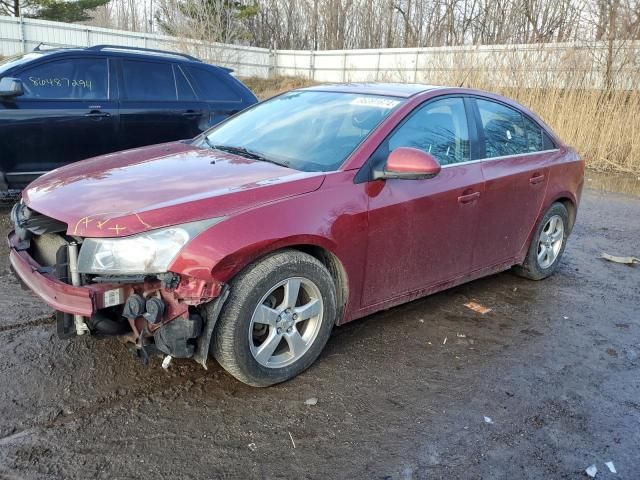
[(403, 90), (123, 51)]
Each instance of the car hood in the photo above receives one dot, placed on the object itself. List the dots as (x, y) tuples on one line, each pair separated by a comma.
[(137, 190)]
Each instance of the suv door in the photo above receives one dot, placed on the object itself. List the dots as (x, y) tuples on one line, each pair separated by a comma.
[(516, 172), (422, 232), (157, 104), (66, 114), (216, 90)]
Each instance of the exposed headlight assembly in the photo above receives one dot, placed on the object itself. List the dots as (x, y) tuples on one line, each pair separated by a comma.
[(149, 252)]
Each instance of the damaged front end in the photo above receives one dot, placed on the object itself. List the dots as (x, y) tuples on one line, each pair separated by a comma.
[(95, 289)]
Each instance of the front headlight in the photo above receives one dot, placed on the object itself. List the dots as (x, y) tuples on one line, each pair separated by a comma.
[(149, 252)]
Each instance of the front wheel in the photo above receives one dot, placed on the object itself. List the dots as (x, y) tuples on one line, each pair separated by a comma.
[(547, 244), (277, 319)]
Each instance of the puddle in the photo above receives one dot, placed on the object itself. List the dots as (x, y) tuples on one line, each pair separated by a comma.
[(613, 182)]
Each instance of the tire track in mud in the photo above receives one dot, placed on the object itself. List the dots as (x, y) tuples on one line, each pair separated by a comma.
[(48, 320), (133, 398)]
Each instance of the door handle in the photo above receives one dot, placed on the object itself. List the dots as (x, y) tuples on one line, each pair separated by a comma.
[(192, 114), (536, 179), (471, 197), (97, 114)]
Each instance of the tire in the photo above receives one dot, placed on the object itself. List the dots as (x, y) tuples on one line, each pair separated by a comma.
[(259, 311), (538, 264)]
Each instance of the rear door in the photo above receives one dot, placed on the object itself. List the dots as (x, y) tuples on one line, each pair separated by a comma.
[(516, 172), (66, 114), (216, 89), (157, 104)]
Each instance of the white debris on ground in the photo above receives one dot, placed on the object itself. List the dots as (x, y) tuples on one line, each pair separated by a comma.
[(591, 471), (611, 467), (488, 420), (252, 447), (292, 442), (444, 342), (311, 401), (166, 361), (623, 260)]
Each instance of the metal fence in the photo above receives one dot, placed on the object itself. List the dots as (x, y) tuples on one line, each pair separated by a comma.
[(518, 65)]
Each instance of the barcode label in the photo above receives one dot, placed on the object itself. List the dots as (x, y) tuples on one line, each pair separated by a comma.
[(112, 297)]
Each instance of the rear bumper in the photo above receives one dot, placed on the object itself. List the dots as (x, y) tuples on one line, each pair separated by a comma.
[(58, 295)]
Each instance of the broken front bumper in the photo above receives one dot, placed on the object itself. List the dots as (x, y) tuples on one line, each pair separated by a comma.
[(58, 295), (174, 328)]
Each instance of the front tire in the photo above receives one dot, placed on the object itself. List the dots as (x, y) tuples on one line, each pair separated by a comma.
[(278, 317), (547, 244)]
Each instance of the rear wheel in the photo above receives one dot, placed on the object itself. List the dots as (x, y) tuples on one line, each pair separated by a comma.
[(277, 319), (547, 245)]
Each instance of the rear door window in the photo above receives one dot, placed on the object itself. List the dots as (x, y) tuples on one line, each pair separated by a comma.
[(67, 79), (185, 91), (210, 86), (504, 130), (148, 81)]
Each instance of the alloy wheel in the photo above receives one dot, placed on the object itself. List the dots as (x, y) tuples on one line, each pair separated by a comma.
[(550, 242), (286, 322)]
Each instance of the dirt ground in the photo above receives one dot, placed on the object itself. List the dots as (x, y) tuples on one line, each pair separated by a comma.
[(401, 394)]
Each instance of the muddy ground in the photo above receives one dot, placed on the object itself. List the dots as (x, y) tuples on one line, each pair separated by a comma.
[(555, 365)]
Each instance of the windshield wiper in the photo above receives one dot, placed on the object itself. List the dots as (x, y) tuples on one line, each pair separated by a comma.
[(244, 152)]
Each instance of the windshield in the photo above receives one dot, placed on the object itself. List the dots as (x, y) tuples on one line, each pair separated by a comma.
[(305, 130), (10, 62)]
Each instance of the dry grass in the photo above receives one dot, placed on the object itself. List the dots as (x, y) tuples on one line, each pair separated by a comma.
[(603, 126)]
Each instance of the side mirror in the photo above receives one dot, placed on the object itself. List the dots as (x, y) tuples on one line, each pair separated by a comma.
[(409, 164), (11, 87)]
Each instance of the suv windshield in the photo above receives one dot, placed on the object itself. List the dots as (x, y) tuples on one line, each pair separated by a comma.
[(10, 62), (305, 130)]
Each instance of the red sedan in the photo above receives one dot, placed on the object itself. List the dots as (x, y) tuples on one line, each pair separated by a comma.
[(309, 210)]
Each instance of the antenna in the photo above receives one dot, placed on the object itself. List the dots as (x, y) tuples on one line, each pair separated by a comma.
[(465, 77)]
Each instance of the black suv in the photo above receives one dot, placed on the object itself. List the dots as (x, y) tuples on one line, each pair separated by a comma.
[(63, 105)]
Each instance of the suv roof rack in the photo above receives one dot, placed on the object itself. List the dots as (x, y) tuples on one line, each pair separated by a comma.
[(143, 50)]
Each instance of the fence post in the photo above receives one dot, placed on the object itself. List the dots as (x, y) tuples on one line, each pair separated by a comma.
[(312, 65), (344, 68), (415, 72), (23, 39), (88, 31), (273, 60), (378, 66)]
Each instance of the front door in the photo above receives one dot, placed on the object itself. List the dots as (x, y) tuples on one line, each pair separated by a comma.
[(65, 115), (422, 232)]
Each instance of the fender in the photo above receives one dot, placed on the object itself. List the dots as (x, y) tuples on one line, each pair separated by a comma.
[(225, 249)]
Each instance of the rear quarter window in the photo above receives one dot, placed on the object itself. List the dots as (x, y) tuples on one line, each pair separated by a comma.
[(211, 86)]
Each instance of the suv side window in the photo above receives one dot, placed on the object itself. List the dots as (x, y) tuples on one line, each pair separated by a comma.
[(209, 86), (505, 132), (439, 128), (67, 79), (148, 81)]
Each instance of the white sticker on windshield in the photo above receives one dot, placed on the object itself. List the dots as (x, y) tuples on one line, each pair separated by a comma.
[(379, 102)]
